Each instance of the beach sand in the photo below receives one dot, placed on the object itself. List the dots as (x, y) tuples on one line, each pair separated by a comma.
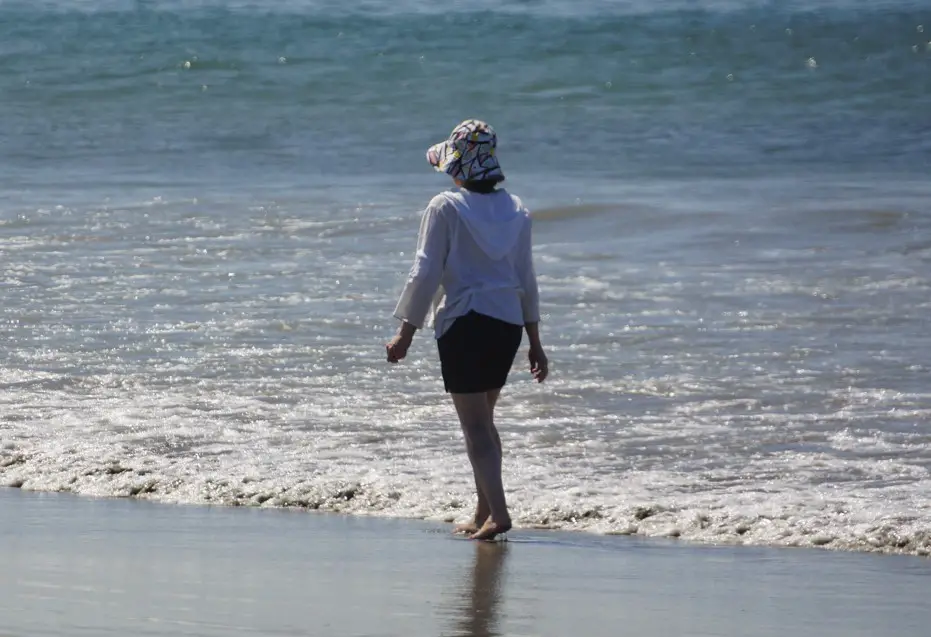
[(76, 566)]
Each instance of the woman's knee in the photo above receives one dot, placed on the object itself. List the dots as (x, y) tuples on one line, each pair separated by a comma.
[(479, 437)]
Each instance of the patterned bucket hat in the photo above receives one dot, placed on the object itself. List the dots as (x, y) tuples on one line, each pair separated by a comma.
[(468, 154)]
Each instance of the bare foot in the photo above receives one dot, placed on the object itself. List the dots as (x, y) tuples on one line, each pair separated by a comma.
[(469, 528), (472, 526), (491, 529)]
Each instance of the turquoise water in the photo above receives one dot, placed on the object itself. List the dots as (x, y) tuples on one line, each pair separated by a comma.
[(202, 91), (208, 210)]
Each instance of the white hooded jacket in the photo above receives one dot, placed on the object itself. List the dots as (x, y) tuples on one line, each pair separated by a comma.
[(474, 252)]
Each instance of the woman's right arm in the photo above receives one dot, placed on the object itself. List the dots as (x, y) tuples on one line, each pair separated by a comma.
[(533, 335), (530, 293), (530, 304)]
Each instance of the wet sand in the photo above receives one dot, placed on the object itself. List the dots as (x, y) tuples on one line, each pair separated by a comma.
[(74, 566)]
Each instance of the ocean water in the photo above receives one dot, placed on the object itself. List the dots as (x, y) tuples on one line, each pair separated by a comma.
[(208, 209)]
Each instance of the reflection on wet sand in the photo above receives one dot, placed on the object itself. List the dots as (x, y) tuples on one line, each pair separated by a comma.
[(476, 614)]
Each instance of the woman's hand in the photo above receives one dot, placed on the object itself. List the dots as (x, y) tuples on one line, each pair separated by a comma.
[(539, 366), (397, 347)]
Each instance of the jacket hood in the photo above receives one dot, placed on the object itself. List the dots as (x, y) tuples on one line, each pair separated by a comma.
[(495, 220)]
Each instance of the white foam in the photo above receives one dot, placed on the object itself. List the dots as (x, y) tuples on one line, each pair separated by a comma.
[(179, 444), (739, 401)]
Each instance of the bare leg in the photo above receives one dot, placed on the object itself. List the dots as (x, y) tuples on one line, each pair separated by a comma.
[(475, 416), (482, 511)]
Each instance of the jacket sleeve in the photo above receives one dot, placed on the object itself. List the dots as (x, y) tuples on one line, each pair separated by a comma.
[(530, 299), (426, 273)]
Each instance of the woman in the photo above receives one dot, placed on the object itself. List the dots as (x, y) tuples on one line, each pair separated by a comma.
[(473, 272)]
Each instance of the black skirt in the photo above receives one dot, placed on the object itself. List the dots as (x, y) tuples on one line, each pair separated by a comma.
[(477, 352)]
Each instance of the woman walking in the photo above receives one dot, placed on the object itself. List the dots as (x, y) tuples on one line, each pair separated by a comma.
[(473, 274)]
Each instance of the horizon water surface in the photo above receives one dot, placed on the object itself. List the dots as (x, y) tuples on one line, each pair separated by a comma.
[(208, 209)]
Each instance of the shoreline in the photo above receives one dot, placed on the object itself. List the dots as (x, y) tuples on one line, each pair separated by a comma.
[(72, 566), (819, 543)]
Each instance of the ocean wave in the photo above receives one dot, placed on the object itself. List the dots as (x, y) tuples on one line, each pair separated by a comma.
[(346, 475)]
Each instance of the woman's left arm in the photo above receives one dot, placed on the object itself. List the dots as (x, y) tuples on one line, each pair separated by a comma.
[(423, 280)]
